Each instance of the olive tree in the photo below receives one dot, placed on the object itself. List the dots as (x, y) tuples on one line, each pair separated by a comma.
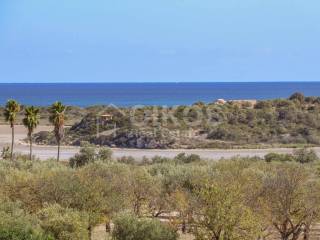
[(290, 199), (222, 214), (64, 223)]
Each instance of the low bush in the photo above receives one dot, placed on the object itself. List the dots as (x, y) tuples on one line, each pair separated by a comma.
[(16, 224), (64, 223), (132, 228)]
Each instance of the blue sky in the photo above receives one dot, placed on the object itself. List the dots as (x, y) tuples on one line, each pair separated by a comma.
[(159, 40)]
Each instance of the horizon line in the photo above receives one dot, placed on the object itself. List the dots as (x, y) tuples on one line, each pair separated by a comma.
[(157, 82)]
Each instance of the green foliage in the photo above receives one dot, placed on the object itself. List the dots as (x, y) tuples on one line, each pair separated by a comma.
[(104, 154), (303, 155), (289, 122), (15, 224), (128, 227), (64, 223), (57, 118), (289, 199), (227, 133), (297, 96), (12, 108), (183, 158), (31, 119), (5, 153), (127, 160), (57, 111), (141, 186), (236, 199), (222, 214), (88, 154), (277, 157)]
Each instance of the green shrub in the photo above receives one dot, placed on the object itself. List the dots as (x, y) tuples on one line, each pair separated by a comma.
[(15, 224), (86, 155), (132, 228), (183, 158), (297, 96), (277, 157), (127, 160), (5, 153), (104, 154), (301, 156), (64, 223), (159, 159), (305, 156)]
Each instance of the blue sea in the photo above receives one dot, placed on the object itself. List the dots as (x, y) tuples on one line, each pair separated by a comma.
[(165, 94)]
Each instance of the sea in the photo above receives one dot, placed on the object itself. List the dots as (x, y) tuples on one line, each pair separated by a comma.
[(163, 94)]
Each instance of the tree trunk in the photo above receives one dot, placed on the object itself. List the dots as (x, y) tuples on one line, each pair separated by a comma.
[(284, 236), (58, 157), (184, 227), (30, 139), (306, 234), (90, 232), (12, 142), (108, 227)]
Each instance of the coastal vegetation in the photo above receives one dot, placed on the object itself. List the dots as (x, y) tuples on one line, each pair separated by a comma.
[(160, 198), (292, 122), (182, 198)]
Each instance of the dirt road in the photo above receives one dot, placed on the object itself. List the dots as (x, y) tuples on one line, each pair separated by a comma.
[(45, 152)]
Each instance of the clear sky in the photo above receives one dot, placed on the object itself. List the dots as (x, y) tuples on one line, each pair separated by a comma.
[(159, 40)]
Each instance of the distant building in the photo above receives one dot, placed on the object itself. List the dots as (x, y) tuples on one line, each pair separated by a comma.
[(221, 101), (106, 117), (240, 103)]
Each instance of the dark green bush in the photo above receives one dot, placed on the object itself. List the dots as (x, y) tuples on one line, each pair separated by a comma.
[(277, 157), (305, 155), (88, 154), (85, 156), (183, 158), (297, 96), (104, 154)]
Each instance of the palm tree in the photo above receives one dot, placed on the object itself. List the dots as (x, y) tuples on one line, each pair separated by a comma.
[(31, 121), (10, 113), (57, 118)]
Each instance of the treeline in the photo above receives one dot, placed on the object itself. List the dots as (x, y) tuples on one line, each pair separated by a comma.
[(160, 198)]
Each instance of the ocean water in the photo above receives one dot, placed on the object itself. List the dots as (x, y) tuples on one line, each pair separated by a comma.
[(165, 94)]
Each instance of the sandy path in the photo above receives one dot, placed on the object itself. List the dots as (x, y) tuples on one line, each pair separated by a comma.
[(45, 152), (20, 133)]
